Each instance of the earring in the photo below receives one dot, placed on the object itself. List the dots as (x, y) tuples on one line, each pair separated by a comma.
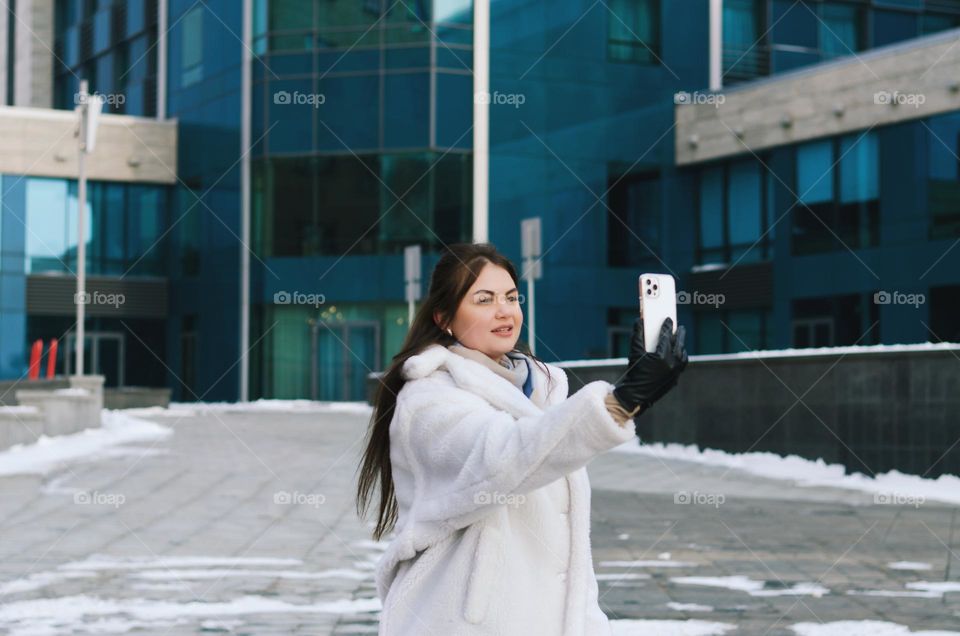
[(449, 331)]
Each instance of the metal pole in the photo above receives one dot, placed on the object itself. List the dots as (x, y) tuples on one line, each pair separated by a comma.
[(81, 222), (532, 324), (481, 120), (162, 59), (716, 45), (245, 121)]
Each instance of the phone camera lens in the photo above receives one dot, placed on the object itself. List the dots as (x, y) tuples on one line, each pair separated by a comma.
[(648, 281), (654, 286), (649, 292)]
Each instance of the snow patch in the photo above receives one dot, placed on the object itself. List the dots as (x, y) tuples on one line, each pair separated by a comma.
[(752, 586), (892, 486), (691, 627), (861, 628), (48, 453)]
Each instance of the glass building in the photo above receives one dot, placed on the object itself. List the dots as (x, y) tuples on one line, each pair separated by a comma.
[(360, 144)]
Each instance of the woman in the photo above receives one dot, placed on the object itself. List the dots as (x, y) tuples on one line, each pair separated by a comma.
[(480, 459)]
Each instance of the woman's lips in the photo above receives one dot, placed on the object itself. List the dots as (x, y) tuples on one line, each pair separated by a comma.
[(503, 334)]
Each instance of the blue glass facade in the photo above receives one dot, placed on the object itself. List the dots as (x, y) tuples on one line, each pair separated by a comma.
[(204, 94), (126, 224), (763, 37), (361, 129), (361, 121), (112, 45)]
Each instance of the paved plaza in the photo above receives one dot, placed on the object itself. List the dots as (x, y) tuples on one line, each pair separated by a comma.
[(242, 521)]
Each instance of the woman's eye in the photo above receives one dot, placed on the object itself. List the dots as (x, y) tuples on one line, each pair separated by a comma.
[(483, 299), (512, 299)]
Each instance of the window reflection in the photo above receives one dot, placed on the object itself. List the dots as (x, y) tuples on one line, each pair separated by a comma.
[(123, 232), (370, 204)]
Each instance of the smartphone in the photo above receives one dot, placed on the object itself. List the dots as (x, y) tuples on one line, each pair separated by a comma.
[(658, 301)]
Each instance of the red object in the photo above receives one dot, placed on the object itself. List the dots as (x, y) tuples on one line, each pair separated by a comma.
[(34, 372), (52, 358)]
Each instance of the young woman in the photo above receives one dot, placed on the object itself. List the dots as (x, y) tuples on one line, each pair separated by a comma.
[(480, 456)]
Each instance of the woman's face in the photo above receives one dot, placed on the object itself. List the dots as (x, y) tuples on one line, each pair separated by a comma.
[(490, 305)]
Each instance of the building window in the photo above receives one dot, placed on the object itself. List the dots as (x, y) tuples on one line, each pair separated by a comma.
[(633, 220), (620, 329), (944, 309), (837, 184), (835, 321), (943, 177), (188, 358), (191, 48), (745, 51), (633, 31), (936, 22), (841, 29), (11, 52), (734, 212), (113, 46), (124, 232), (805, 33), (894, 26), (733, 330), (331, 205)]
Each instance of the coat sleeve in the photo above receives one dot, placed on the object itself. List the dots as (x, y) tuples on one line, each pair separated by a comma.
[(468, 456)]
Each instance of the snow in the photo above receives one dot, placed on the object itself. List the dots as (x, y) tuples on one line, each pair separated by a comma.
[(74, 392), (48, 453), (709, 267), (76, 607), (751, 586), (909, 565), (894, 485), (915, 589), (39, 580), (783, 353), (861, 628), (101, 562), (648, 564), (630, 627), (91, 614), (193, 409), (625, 576), (18, 410), (689, 607), (183, 575)]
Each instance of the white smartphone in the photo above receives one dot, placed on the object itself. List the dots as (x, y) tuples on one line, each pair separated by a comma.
[(658, 301)]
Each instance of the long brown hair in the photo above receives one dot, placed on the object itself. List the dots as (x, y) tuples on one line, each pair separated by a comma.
[(455, 271)]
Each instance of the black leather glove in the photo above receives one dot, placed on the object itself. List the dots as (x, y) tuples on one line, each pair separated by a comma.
[(651, 374)]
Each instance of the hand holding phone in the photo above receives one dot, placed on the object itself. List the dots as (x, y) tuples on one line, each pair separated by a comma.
[(658, 301), (657, 353)]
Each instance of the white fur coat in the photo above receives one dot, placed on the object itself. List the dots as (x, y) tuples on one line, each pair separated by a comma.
[(493, 531)]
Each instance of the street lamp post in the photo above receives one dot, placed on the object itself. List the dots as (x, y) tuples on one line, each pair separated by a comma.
[(88, 111)]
